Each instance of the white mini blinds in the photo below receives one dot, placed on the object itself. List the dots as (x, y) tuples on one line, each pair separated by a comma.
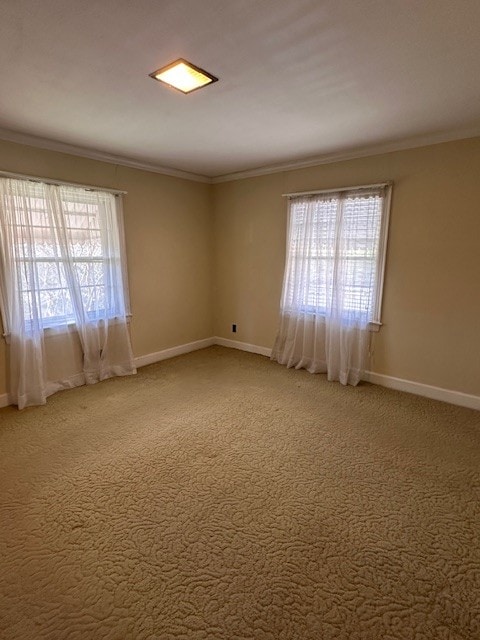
[(336, 253)]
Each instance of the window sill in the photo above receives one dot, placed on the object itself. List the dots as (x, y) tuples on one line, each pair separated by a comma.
[(373, 326), (69, 327)]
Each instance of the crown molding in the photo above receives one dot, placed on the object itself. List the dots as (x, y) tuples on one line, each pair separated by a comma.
[(364, 152), (93, 154)]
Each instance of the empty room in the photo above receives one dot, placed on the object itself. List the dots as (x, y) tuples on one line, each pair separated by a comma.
[(240, 318)]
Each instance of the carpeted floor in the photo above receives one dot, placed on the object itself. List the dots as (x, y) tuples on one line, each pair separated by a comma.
[(221, 496)]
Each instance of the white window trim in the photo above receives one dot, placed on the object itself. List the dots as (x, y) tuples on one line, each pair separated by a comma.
[(373, 325), (87, 187), (71, 325), (376, 185), (382, 254)]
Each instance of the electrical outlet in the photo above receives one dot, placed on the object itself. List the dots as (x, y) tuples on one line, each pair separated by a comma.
[(234, 328)]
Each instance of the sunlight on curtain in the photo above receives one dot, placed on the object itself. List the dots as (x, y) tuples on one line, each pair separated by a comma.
[(332, 283), (62, 268)]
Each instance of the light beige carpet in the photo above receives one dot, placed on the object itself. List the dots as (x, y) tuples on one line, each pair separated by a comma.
[(221, 496)]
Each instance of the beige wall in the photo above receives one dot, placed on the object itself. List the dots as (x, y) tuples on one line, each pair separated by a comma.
[(169, 245), (184, 236), (431, 307)]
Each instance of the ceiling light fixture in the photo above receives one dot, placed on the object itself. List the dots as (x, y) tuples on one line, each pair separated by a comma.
[(184, 76)]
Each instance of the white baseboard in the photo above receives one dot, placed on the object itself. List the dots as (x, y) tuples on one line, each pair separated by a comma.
[(243, 346), (426, 390), (4, 401), (417, 388), (150, 358), (142, 361)]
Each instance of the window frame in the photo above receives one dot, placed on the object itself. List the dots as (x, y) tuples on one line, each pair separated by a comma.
[(54, 323), (313, 312)]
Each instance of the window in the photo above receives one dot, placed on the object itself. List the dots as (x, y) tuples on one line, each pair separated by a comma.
[(62, 247), (336, 253)]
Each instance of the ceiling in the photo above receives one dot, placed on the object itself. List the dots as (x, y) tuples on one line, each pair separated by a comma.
[(299, 79)]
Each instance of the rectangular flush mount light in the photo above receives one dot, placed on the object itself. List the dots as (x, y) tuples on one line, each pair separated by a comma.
[(184, 76)]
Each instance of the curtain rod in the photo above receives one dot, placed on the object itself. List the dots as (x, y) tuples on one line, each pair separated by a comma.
[(314, 193), (87, 187)]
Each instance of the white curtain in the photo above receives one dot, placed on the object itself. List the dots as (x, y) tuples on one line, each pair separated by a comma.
[(62, 272), (332, 281)]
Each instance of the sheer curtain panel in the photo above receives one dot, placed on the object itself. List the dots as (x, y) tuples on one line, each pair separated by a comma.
[(62, 286), (333, 281)]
